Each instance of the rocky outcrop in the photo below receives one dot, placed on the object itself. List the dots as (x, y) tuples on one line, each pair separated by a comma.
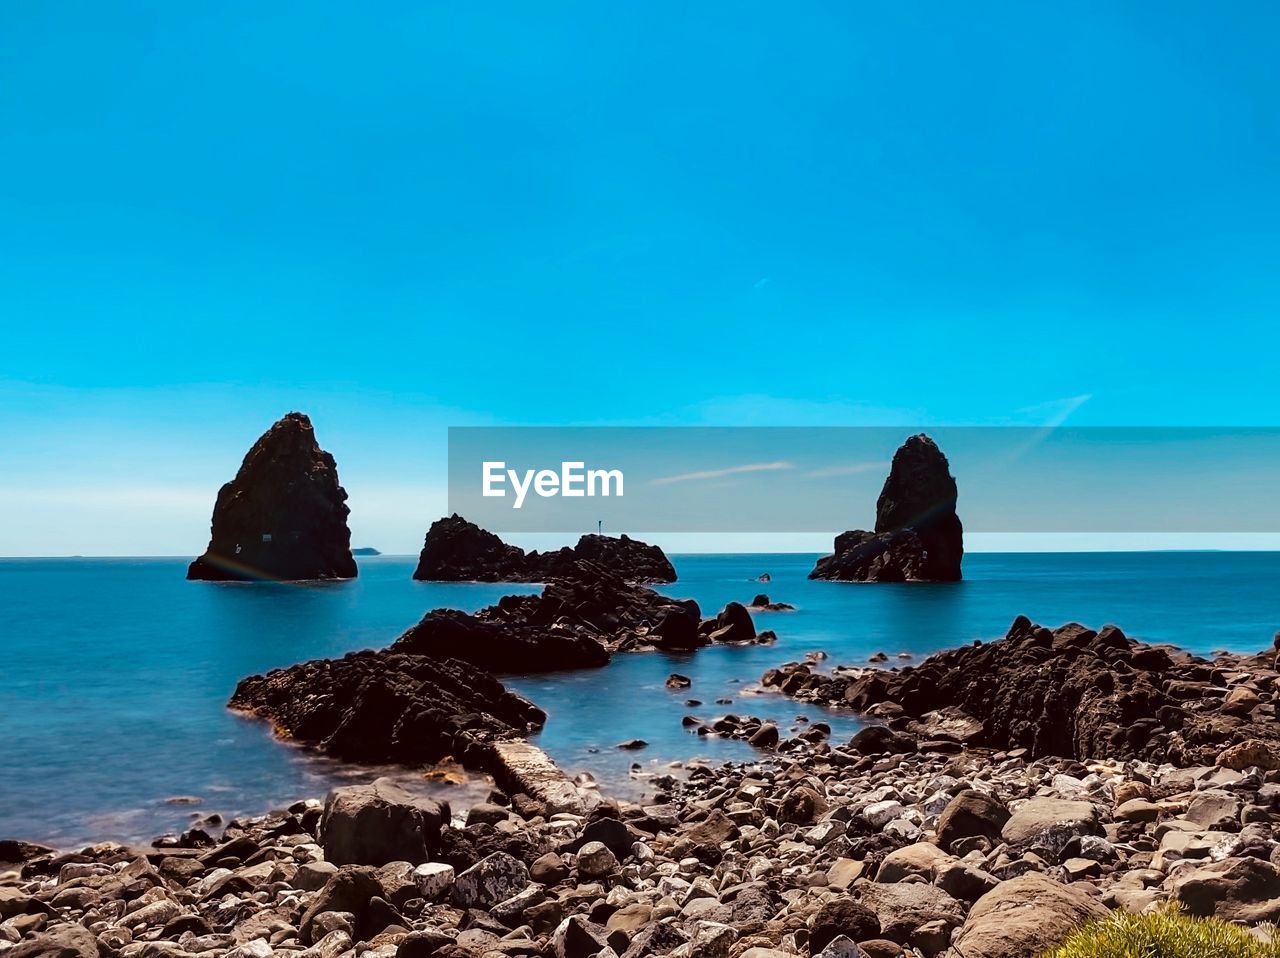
[(284, 515), (918, 535), (580, 616), (1072, 692), (833, 852), (432, 694), (456, 550), (387, 706)]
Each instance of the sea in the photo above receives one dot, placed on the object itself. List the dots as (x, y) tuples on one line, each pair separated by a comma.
[(115, 673)]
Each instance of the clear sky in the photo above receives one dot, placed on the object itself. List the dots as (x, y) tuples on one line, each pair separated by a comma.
[(400, 217)]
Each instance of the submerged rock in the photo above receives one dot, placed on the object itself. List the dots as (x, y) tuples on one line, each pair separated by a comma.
[(284, 515), (918, 535), (456, 550)]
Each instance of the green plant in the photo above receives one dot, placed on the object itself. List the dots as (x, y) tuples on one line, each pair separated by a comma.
[(1163, 934)]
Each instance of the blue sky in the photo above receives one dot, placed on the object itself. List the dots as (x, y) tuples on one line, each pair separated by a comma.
[(406, 216)]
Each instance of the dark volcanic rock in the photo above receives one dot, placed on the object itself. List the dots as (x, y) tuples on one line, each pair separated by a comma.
[(284, 515), (1074, 693), (577, 619), (431, 694), (456, 550), (918, 535), (388, 706)]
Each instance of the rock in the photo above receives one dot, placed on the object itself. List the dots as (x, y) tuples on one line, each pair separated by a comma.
[(1024, 916), (489, 881), (922, 858), (68, 941), (918, 535), (1241, 701), (1050, 822), (632, 745), (1250, 754), (1243, 890), (765, 737), (578, 937), (434, 880), (677, 681), (379, 823), (595, 860), (1138, 810), (733, 624), (842, 916), (284, 515), (904, 908), (1214, 811), (971, 813), (1071, 692), (880, 740), (456, 550), (383, 707), (352, 891), (582, 614), (550, 869)]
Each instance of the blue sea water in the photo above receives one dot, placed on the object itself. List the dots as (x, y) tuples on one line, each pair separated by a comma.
[(115, 672)]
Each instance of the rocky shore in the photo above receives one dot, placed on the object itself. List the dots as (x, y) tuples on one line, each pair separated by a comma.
[(456, 550), (869, 848), (1071, 691)]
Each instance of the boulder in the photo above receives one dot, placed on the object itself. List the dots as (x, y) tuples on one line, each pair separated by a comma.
[(923, 859), (842, 916), (918, 535), (1049, 823), (969, 814), (491, 880), (1245, 890), (283, 516), (1024, 917), (68, 941), (733, 624), (905, 907), (379, 823)]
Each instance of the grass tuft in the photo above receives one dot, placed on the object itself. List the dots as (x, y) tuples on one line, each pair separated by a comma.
[(1163, 934)]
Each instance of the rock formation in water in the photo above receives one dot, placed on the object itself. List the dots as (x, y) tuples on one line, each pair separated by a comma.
[(918, 536), (284, 515), (1073, 693), (433, 693), (456, 550), (389, 706)]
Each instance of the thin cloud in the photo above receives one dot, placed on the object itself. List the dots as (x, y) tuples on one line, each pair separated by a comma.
[(848, 469), (761, 283), (721, 473)]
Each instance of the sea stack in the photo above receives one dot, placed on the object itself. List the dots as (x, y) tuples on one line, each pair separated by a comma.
[(918, 535), (456, 550), (284, 515)]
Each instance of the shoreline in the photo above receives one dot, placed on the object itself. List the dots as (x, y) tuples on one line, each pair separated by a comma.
[(905, 844)]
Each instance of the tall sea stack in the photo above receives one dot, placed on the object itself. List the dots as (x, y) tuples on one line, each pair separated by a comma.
[(918, 536), (284, 515)]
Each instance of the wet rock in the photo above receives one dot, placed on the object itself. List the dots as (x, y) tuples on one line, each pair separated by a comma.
[(917, 536), (284, 515), (733, 624)]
